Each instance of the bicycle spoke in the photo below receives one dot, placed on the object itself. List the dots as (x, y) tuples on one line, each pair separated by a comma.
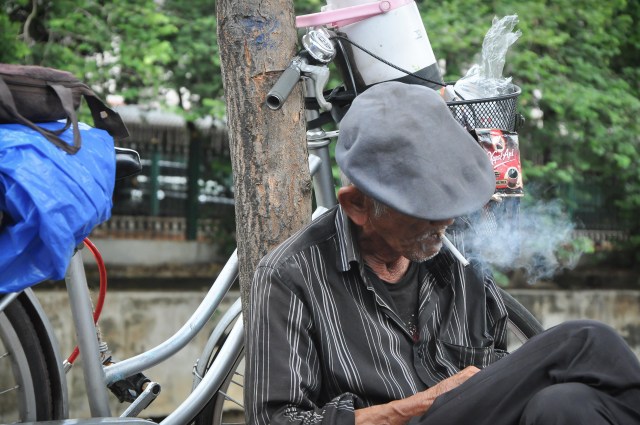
[(15, 388), (231, 399), (238, 383)]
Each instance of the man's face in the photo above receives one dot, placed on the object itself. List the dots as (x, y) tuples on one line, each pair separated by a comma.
[(416, 239)]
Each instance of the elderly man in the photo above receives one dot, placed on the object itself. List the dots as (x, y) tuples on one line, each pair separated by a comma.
[(362, 317)]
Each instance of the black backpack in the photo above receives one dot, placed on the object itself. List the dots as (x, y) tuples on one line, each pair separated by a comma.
[(32, 94)]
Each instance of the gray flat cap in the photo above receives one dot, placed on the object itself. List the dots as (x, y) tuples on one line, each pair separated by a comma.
[(400, 145)]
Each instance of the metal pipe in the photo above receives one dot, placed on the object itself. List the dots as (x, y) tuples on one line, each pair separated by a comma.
[(212, 381), (323, 179), (314, 164), (8, 299), (82, 311), (318, 212), (175, 343), (318, 144), (229, 316)]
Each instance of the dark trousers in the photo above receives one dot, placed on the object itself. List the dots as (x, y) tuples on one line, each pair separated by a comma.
[(580, 372)]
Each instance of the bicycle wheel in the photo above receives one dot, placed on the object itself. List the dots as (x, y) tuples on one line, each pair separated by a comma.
[(522, 324), (227, 405), (25, 387)]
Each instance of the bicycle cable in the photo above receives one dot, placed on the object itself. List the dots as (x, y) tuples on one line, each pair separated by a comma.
[(386, 62), (101, 295), (348, 64)]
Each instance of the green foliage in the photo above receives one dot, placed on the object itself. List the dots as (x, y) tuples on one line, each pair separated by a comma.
[(138, 49), (569, 254), (500, 278), (577, 63), (13, 48), (303, 7), (195, 65), (581, 138)]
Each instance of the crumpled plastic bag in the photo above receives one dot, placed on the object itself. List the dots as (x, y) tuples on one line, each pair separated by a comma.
[(50, 201), (485, 79)]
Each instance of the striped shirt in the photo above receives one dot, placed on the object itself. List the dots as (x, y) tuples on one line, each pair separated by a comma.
[(321, 341)]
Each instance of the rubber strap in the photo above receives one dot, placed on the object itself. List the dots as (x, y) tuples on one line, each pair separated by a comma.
[(104, 117), (66, 98), (8, 104)]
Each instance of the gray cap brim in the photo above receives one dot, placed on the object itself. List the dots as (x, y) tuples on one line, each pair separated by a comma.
[(400, 145)]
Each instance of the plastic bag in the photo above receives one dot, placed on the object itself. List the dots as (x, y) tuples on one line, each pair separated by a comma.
[(485, 79), (50, 200)]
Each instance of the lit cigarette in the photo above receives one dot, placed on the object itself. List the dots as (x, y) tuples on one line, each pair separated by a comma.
[(454, 251)]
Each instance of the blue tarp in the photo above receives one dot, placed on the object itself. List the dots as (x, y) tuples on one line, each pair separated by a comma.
[(50, 200)]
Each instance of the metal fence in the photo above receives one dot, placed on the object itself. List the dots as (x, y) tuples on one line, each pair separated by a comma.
[(185, 188), (592, 205)]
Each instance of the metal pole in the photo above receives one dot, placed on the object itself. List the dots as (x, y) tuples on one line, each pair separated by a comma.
[(82, 311), (185, 334), (227, 319), (193, 189), (318, 143), (212, 380), (8, 299), (154, 178), (323, 180)]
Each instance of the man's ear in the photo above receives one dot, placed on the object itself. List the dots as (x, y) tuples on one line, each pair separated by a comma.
[(354, 203)]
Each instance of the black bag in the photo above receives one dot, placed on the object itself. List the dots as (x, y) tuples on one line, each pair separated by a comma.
[(32, 94)]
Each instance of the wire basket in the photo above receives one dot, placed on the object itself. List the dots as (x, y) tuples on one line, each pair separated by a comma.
[(492, 112)]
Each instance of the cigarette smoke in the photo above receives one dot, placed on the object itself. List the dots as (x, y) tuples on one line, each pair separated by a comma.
[(536, 237)]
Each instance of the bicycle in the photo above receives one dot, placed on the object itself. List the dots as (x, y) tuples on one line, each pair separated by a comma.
[(36, 366)]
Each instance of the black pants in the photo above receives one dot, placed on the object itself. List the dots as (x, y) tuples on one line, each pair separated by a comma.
[(580, 372)]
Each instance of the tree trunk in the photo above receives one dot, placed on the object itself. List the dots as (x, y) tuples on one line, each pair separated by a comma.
[(257, 39)]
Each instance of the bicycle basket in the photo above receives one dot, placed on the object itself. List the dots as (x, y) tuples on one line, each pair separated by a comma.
[(493, 112)]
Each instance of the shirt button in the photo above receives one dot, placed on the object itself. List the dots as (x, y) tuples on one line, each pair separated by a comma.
[(420, 355)]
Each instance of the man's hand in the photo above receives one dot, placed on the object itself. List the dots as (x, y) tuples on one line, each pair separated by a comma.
[(400, 411), (448, 384)]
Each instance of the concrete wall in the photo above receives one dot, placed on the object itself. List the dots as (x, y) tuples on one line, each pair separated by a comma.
[(618, 308), (141, 252), (133, 321)]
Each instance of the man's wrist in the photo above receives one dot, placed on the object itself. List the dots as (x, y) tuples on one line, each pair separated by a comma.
[(415, 405), (396, 412)]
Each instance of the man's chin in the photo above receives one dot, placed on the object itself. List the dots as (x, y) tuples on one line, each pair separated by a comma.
[(421, 257), (426, 253)]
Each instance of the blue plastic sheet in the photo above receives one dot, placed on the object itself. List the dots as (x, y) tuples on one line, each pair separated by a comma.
[(51, 200)]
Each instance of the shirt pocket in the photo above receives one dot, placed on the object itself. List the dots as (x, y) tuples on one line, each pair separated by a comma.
[(462, 356)]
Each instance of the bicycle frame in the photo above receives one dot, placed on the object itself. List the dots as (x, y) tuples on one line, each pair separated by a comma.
[(97, 377)]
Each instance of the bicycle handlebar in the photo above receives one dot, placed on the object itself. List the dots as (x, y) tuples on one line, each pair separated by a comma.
[(285, 84)]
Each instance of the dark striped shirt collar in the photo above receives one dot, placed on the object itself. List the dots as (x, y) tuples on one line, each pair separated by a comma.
[(349, 251)]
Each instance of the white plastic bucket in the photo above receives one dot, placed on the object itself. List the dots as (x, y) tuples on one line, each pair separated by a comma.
[(397, 36)]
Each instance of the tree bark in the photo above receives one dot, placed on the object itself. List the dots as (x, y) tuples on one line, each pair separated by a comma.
[(257, 39)]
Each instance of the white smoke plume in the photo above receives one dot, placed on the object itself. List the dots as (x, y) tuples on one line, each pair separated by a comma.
[(534, 236)]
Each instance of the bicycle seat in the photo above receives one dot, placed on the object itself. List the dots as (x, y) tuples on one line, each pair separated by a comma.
[(127, 163)]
